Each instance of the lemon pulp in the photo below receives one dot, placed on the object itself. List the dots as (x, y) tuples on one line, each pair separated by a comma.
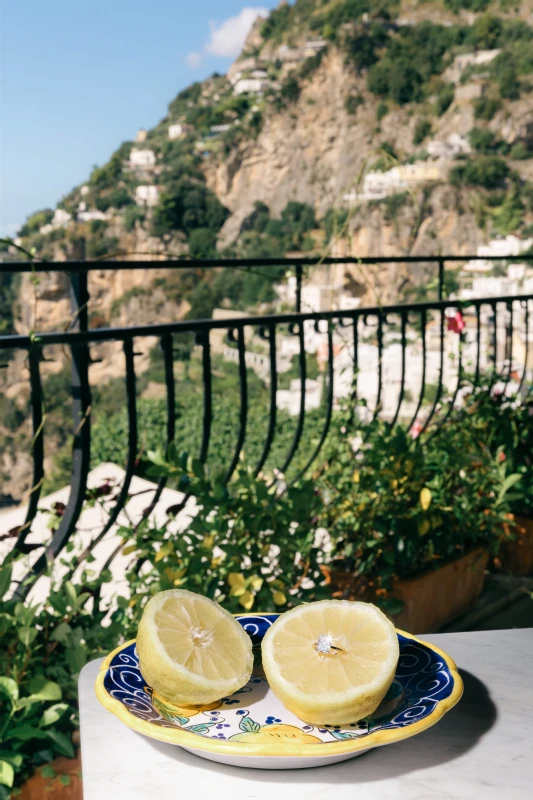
[(331, 662), (191, 651)]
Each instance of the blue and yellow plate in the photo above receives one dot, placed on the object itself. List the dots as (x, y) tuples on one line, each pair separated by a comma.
[(252, 728)]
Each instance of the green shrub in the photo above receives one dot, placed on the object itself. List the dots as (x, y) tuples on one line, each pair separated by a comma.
[(132, 215), (508, 216), (311, 64), (422, 130), (290, 89), (444, 99), (100, 245), (116, 198), (482, 140), (352, 103), (36, 221), (203, 243), (186, 206), (470, 5), (11, 416), (489, 172), (486, 107), (520, 151), (381, 111)]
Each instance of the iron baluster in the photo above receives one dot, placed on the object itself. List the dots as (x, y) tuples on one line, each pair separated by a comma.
[(243, 384), (273, 393), (303, 375), (36, 397), (423, 323), (402, 379)]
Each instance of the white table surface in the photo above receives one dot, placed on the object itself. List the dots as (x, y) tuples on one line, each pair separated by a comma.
[(483, 748)]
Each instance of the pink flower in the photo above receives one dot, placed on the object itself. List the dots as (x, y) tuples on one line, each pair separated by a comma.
[(456, 323), (416, 429)]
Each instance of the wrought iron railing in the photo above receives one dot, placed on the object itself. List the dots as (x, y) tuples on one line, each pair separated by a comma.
[(368, 359)]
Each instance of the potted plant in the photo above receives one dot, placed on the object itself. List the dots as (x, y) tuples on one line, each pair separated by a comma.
[(509, 426), (414, 520)]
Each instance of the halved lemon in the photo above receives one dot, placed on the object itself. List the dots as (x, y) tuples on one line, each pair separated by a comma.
[(191, 651), (331, 662)]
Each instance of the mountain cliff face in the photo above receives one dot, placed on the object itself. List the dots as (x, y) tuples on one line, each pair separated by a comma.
[(327, 94)]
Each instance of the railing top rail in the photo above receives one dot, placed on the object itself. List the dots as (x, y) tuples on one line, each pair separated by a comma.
[(12, 341), (185, 262)]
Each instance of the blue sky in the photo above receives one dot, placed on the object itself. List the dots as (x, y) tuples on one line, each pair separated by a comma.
[(78, 77)]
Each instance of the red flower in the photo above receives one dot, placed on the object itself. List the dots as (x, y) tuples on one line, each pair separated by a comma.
[(415, 430), (501, 457), (456, 323)]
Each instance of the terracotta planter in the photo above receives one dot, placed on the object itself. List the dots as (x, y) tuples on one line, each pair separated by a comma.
[(517, 557), (433, 598), (40, 788)]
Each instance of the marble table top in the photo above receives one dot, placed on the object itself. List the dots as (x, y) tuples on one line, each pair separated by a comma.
[(483, 748)]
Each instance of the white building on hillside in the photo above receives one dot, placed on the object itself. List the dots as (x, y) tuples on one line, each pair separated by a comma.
[(61, 217), (142, 158), (461, 62), (91, 215), (179, 129), (251, 86), (449, 148), (377, 185), (146, 195), (141, 135)]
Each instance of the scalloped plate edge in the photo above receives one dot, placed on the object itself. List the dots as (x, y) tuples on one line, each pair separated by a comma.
[(193, 742)]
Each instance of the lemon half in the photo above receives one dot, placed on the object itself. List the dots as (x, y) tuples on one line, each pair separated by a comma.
[(331, 662), (191, 651)]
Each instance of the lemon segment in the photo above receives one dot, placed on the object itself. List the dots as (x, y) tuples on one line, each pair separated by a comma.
[(331, 662), (191, 651)]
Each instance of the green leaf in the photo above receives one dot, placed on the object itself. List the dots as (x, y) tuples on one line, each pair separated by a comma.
[(5, 579), (61, 633), (7, 774), (15, 759), (64, 780), (9, 687), (71, 594), (23, 733), (506, 485), (61, 742), (48, 771), (27, 635), (45, 690), (53, 713)]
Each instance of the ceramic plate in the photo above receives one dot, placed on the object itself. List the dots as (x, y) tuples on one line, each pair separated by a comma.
[(253, 729)]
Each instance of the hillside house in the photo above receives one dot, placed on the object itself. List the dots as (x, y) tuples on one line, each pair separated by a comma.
[(61, 217), (179, 129), (461, 62), (147, 196), (510, 245), (449, 148), (251, 86), (216, 129), (142, 158), (84, 190), (377, 185), (91, 215), (314, 46), (290, 55), (238, 68), (141, 135)]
